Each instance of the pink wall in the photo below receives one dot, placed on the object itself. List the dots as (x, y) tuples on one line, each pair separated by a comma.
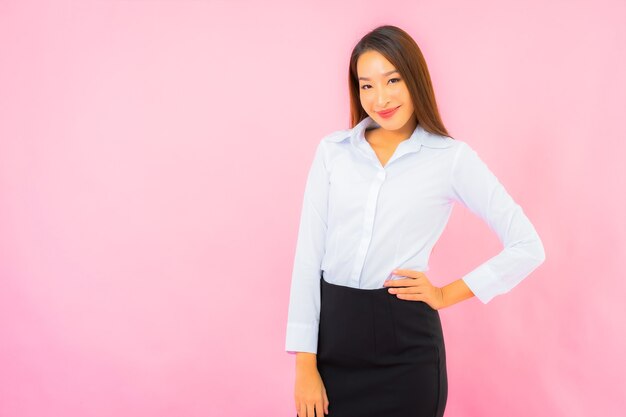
[(152, 164)]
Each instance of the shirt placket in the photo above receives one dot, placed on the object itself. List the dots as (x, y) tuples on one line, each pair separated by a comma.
[(368, 217)]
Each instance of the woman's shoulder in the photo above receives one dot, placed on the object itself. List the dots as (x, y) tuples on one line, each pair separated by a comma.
[(337, 136), (435, 140)]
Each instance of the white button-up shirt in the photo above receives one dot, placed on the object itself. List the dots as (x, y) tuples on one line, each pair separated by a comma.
[(360, 220)]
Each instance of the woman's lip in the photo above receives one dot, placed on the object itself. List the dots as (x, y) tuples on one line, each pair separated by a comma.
[(387, 112)]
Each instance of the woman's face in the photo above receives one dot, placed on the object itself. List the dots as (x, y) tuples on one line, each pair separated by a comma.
[(382, 88)]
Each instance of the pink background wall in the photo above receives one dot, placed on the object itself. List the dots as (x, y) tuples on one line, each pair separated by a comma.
[(152, 163)]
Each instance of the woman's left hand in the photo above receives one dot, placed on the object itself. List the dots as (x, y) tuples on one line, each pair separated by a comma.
[(415, 287)]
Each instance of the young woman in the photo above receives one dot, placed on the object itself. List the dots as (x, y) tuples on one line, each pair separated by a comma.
[(363, 316)]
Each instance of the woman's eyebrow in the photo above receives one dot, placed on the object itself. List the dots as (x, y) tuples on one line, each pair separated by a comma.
[(385, 74)]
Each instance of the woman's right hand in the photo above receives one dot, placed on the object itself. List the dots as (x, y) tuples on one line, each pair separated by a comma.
[(310, 393)]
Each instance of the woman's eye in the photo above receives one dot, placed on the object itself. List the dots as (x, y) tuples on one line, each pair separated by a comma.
[(367, 85)]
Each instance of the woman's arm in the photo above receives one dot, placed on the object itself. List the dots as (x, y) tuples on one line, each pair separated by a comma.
[(455, 292), (304, 298), (306, 360), (477, 188)]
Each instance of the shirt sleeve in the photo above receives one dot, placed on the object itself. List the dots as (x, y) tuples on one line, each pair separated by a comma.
[(304, 299), (478, 189)]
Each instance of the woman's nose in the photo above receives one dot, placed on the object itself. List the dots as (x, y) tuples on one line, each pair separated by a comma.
[(382, 99)]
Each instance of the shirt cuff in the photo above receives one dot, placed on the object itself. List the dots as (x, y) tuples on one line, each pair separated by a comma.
[(484, 283), (301, 338)]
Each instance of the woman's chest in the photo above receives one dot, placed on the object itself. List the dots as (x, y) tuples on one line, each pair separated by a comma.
[(384, 153), (412, 184)]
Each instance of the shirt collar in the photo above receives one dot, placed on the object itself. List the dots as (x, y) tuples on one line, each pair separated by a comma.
[(419, 137)]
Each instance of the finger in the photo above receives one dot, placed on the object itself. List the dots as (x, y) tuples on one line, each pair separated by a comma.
[(419, 283), (407, 282), (405, 290), (407, 273), (319, 408), (411, 297), (418, 287), (415, 282), (409, 289), (326, 402)]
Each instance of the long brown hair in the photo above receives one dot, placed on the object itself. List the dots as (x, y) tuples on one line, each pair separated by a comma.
[(402, 51)]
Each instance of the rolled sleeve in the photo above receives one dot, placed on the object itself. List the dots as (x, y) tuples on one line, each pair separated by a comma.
[(304, 299), (477, 188)]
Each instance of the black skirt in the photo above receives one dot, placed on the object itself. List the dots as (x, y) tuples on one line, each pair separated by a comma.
[(379, 355)]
